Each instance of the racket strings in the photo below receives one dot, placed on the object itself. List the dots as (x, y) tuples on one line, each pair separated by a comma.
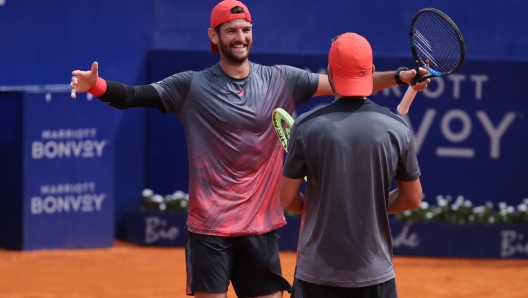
[(437, 42), (283, 128)]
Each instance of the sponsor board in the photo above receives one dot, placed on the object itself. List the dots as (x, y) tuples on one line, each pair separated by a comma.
[(67, 184), (499, 241)]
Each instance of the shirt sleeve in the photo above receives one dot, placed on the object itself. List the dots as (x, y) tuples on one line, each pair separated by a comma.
[(408, 169), (302, 84), (173, 90), (294, 164)]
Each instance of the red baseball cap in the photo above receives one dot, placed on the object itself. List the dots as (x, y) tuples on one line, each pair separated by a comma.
[(222, 14), (350, 61)]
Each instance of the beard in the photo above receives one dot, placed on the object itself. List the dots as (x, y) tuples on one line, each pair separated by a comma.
[(225, 49)]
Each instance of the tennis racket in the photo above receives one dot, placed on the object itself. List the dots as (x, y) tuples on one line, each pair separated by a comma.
[(437, 45), (282, 121)]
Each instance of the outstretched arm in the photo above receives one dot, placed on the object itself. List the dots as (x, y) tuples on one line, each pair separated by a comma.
[(385, 79), (406, 196), (117, 95), (382, 80)]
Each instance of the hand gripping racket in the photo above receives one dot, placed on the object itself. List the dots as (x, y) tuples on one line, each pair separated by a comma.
[(282, 121), (437, 45)]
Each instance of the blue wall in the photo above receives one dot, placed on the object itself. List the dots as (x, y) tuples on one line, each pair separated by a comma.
[(41, 42), (491, 28)]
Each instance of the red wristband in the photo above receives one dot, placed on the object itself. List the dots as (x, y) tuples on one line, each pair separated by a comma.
[(99, 88)]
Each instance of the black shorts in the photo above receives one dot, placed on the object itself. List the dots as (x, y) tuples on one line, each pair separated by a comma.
[(251, 263), (303, 289)]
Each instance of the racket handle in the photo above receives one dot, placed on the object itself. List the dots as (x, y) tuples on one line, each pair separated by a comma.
[(407, 99)]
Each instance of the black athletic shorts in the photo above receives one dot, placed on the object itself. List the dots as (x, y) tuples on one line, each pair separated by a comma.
[(303, 289), (251, 263)]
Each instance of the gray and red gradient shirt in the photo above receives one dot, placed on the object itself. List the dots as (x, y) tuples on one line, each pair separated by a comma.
[(235, 157)]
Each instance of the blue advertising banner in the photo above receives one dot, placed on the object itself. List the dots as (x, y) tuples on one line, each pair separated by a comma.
[(500, 241), (436, 239), (68, 172), (156, 228), (159, 228), (469, 128), (470, 132)]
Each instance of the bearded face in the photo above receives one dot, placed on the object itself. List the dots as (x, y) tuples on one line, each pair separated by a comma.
[(235, 51), (236, 40)]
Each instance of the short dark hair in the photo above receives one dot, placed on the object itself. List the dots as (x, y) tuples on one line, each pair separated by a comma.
[(234, 10), (237, 10)]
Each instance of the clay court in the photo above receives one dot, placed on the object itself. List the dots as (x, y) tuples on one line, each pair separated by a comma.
[(131, 271)]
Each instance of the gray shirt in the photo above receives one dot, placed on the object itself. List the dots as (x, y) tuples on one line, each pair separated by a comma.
[(350, 150), (235, 157)]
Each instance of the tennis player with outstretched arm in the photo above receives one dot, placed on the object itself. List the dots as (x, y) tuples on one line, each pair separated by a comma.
[(350, 151), (235, 159)]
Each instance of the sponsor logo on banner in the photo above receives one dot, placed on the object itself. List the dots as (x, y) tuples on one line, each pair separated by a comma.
[(68, 143), (405, 238), (513, 243), (67, 198), (465, 121), (157, 228)]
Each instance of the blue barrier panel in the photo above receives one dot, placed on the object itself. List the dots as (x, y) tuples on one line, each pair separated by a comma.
[(156, 228), (466, 241), (63, 197), (11, 161), (498, 241), (289, 234), (469, 128)]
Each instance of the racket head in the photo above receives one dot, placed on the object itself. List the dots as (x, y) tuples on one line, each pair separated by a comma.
[(282, 122), (436, 44)]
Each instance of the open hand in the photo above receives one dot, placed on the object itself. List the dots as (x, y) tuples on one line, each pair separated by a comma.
[(82, 81)]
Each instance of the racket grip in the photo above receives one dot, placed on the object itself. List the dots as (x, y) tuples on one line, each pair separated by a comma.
[(407, 99)]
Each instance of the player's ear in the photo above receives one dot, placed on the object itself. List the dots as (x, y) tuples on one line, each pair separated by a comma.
[(373, 68), (329, 70), (212, 35)]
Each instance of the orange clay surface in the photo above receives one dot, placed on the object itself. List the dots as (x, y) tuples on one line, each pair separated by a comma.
[(131, 271)]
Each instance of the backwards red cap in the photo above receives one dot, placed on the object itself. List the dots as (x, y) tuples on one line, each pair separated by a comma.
[(222, 14), (350, 60)]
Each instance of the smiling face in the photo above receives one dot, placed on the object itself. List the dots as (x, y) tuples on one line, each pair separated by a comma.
[(235, 40)]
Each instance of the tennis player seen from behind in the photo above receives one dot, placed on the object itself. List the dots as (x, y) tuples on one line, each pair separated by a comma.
[(350, 151), (235, 159)]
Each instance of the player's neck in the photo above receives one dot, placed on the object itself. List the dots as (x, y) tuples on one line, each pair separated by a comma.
[(337, 97), (235, 70)]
